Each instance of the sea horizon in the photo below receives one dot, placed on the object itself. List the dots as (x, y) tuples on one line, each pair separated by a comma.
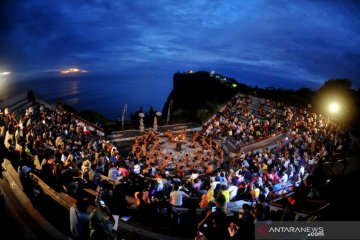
[(106, 94)]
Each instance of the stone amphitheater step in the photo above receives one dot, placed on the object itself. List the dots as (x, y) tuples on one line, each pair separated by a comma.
[(232, 146), (9, 102), (33, 219), (23, 107), (18, 104)]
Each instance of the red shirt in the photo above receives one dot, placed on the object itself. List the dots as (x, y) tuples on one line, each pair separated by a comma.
[(124, 172)]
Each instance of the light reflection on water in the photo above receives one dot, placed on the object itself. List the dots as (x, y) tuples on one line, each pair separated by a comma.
[(106, 95), (70, 91)]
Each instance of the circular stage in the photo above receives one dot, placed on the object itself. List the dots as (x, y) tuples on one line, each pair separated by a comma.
[(183, 154)]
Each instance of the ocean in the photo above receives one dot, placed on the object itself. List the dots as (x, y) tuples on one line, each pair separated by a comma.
[(105, 94), (108, 94)]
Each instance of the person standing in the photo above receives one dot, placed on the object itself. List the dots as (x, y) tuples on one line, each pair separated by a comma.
[(176, 197), (79, 220)]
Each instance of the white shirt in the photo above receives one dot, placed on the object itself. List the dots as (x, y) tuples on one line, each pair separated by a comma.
[(284, 179), (232, 191), (213, 184), (302, 171), (177, 197)]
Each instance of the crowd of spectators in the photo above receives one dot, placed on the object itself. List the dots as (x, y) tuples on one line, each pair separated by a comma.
[(71, 156), (244, 120)]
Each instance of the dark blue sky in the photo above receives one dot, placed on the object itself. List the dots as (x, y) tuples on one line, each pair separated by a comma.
[(289, 44)]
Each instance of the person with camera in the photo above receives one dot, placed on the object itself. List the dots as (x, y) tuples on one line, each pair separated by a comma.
[(245, 223), (214, 224), (102, 223)]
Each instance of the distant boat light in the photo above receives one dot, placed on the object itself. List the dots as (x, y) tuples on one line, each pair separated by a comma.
[(73, 70)]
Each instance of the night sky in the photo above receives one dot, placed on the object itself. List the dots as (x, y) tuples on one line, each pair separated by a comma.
[(288, 44)]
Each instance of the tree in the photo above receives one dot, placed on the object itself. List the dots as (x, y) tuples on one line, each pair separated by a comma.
[(202, 114), (149, 117), (134, 117), (338, 83), (337, 91)]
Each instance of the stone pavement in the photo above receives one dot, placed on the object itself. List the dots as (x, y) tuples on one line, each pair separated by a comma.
[(130, 135), (266, 143)]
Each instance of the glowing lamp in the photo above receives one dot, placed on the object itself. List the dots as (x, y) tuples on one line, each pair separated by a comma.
[(334, 107)]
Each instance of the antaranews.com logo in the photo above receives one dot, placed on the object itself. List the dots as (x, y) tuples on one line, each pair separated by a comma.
[(307, 230)]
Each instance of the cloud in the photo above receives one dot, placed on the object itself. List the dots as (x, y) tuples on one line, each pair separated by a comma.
[(306, 40)]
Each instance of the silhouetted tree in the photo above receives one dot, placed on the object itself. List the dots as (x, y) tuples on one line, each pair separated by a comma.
[(337, 91), (134, 117), (338, 83)]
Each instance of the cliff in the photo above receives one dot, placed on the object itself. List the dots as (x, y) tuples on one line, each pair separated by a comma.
[(196, 95)]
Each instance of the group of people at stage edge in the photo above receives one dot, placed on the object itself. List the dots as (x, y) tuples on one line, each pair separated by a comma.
[(202, 155), (69, 156)]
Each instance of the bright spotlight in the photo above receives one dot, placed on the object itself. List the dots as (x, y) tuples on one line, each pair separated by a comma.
[(5, 73), (334, 107)]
